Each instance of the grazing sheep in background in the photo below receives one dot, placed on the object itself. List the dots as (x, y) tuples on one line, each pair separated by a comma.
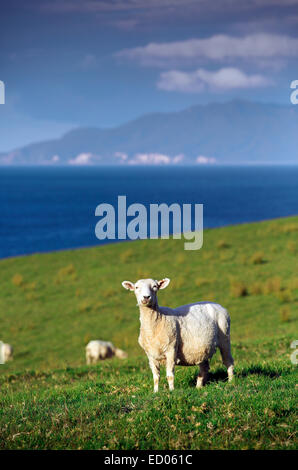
[(187, 335), (97, 350), (6, 352)]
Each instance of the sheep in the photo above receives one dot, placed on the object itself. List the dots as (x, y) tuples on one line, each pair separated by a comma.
[(98, 350), (6, 352), (187, 335)]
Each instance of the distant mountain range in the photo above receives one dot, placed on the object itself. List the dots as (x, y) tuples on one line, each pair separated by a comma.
[(237, 132)]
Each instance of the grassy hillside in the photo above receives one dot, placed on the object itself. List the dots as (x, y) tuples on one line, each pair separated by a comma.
[(51, 305)]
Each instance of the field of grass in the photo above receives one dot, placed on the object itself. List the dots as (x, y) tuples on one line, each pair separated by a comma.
[(51, 305)]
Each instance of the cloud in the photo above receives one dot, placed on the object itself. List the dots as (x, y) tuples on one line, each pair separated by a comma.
[(202, 160), (82, 159), (178, 158), (223, 79), (216, 48), (149, 159), (52, 161), (123, 156)]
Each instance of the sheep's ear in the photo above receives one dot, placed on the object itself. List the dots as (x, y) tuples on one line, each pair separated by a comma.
[(163, 283), (128, 285)]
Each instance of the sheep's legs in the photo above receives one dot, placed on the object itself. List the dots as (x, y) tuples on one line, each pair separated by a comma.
[(155, 367), (88, 361), (203, 374), (170, 366), (227, 359)]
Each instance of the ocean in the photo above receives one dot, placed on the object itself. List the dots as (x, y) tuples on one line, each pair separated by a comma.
[(46, 209)]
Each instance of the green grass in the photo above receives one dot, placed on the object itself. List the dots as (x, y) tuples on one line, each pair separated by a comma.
[(51, 305)]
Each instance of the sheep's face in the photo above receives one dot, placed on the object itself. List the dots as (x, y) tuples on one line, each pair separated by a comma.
[(146, 290)]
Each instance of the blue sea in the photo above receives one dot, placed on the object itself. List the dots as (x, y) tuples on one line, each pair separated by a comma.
[(47, 209)]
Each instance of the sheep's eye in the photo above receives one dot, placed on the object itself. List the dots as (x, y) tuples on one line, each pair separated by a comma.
[(136, 288), (154, 287)]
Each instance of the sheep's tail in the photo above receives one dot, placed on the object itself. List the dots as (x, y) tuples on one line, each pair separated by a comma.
[(121, 354), (224, 323)]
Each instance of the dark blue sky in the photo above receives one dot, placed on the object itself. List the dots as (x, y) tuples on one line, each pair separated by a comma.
[(72, 63)]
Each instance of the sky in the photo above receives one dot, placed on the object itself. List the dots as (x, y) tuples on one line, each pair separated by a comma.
[(101, 63)]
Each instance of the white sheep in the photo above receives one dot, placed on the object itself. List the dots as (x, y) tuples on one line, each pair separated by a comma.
[(6, 352), (187, 335), (97, 350)]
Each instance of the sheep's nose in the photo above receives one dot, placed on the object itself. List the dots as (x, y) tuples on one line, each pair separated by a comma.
[(146, 297)]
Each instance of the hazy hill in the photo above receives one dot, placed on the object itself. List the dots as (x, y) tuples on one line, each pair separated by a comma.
[(234, 132)]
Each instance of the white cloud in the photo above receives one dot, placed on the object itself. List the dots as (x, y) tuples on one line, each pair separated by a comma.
[(216, 48), (150, 159), (82, 159), (178, 158), (202, 160), (161, 159), (123, 156), (223, 79)]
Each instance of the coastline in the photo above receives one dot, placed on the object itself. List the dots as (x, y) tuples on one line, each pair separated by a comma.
[(118, 242)]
